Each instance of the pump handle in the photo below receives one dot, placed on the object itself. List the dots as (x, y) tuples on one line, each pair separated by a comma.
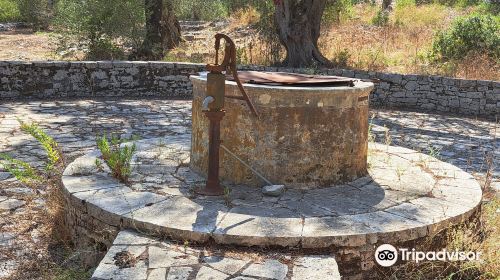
[(229, 65)]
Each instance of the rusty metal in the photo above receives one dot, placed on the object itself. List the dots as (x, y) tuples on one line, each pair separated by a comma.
[(213, 106), (213, 186), (291, 79), (229, 66)]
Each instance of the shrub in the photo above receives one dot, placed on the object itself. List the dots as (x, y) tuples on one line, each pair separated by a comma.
[(202, 9), (336, 11), (9, 11), (381, 18), (476, 33), (38, 13), (101, 29), (116, 157), (341, 58)]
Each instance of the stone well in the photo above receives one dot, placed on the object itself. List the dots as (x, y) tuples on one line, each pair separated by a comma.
[(306, 137)]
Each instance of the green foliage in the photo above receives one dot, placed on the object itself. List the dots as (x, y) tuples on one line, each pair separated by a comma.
[(381, 18), (341, 58), (489, 7), (475, 33), (23, 171), (404, 3), (36, 12), (71, 274), (337, 10), (202, 9), (48, 143), (9, 12), (102, 29), (116, 157)]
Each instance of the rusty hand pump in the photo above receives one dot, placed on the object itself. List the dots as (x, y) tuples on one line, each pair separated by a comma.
[(213, 107)]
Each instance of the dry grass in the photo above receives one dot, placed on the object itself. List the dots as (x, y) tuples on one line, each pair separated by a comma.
[(481, 236), (244, 17), (401, 46)]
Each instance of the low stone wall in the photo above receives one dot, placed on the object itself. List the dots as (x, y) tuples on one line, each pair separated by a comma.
[(34, 80), (29, 80)]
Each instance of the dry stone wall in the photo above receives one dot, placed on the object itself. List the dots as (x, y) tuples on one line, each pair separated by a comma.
[(35, 80)]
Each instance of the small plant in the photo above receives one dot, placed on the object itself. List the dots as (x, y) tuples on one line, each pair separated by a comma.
[(387, 134), (98, 164), (117, 158), (381, 18), (23, 171), (341, 59), (434, 152), (227, 196), (48, 143), (400, 172)]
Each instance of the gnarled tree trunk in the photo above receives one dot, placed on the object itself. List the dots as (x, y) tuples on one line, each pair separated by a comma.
[(163, 31), (298, 24)]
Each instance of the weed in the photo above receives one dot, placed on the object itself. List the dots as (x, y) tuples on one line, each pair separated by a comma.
[(387, 136), (227, 196), (23, 171), (116, 157), (434, 152), (50, 146), (381, 18), (99, 165)]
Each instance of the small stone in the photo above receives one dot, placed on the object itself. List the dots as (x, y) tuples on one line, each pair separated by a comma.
[(4, 175), (11, 204), (273, 190)]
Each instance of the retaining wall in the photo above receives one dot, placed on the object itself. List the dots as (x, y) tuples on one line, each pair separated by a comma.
[(35, 80)]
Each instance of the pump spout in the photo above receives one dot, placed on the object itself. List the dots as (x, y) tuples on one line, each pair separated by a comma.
[(209, 99)]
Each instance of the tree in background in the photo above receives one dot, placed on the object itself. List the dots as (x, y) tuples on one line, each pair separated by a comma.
[(163, 31), (298, 25)]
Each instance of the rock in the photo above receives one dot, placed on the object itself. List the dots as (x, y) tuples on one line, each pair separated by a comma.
[(179, 273), (207, 273), (273, 190), (269, 269), (11, 204), (228, 265), (315, 267)]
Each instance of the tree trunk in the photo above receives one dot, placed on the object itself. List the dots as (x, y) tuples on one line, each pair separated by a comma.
[(298, 23), (387, 5), (163, 31)]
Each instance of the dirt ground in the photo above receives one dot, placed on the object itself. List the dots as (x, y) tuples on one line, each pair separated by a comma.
[(24, 44)]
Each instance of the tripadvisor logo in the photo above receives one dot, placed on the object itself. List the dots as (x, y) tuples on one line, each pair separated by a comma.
[(387, 255)]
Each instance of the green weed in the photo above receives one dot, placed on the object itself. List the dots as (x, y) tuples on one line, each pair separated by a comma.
[(116, 157), (50, 146)]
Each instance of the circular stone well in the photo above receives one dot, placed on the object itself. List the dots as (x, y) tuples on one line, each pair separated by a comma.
[(306, 137), (405, 197)]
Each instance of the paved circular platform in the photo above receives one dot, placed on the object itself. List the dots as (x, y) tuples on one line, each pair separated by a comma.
[(407, 195)]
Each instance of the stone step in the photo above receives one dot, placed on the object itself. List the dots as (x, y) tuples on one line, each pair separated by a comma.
[(136, 256)]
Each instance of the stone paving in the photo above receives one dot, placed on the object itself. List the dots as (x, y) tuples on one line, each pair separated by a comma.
[(405, 192), (467, 143), (154, 259)]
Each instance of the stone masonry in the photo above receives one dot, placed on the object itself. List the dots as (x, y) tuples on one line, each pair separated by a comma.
[(32, 80)]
